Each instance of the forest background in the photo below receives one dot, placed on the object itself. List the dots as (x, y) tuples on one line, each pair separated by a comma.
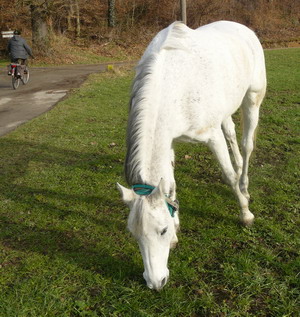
[(123, 28)]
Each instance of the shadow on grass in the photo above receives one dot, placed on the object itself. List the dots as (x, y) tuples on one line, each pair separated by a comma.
[(66, 246), (27, 235), (17, 156), (211, 201)]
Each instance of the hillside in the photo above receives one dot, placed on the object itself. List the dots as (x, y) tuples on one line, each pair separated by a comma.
[(75, 30)]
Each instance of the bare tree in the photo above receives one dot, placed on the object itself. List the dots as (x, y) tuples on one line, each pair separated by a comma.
[(73, 17), (77, 18)]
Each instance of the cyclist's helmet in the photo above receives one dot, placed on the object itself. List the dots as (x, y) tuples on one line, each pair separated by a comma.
[(17, 32)]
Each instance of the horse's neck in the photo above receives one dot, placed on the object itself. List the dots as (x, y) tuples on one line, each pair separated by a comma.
[(156, 163), (153, 158), (149, 153)]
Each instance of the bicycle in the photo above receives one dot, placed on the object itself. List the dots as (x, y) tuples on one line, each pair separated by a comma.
[(19, 73)]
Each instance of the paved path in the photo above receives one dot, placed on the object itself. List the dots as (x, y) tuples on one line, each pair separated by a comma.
[(45, 88)]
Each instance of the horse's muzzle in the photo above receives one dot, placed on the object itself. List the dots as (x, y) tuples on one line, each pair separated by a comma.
[(156, 284)]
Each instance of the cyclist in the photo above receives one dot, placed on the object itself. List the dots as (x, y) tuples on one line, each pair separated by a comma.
[(18, 49)]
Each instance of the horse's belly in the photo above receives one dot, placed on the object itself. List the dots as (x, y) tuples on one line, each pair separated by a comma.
[(196, 135)]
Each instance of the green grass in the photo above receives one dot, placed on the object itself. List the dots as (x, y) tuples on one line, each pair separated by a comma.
[(4, 62), (64, 247)]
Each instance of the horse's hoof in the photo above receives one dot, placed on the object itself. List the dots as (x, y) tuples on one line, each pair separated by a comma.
[(247, 221)]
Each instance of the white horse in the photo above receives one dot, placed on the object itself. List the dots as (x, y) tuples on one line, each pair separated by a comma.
[(187, 86)]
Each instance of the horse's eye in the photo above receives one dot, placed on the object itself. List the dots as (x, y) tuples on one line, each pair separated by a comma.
[(164, 231)]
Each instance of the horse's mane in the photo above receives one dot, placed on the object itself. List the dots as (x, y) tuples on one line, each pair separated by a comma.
[(142, 107)]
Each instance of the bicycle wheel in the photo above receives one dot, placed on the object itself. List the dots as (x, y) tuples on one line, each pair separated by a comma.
[(25, 77), (15, 81)]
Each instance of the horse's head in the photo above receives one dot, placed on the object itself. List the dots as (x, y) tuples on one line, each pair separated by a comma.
[(152, 225)]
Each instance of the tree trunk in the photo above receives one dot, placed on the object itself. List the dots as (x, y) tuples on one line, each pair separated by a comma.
[(40, 35), (73, 18), (111, 13), (70, 16), (77, 11)]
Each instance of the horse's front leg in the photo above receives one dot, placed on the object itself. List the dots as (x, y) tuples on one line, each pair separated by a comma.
[(172, 192), (217, 144)]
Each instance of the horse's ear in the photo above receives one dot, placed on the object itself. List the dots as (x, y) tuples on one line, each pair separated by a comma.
[(127, 194), (158, 192)]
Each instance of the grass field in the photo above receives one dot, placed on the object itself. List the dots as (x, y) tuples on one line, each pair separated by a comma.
[(64, 247)]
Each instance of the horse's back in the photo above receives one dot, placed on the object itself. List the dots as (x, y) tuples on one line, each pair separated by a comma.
[(218, 43), (230, 30), (240, 43)]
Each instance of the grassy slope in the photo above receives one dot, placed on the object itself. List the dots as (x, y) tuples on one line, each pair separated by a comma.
[(64, 249), (64, 52)]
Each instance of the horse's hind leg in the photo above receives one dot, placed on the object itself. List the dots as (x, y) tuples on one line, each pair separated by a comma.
[(218, 145), (228, 128), (250, 111)]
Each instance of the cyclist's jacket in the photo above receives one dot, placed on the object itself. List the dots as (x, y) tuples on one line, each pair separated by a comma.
[(18, 48)]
